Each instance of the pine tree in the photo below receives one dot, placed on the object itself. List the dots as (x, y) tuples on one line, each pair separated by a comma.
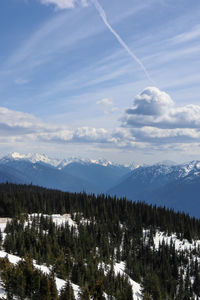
[(53, 289), (97, 293), (85, 295), (45, 292), (147, 297), (67, 292)]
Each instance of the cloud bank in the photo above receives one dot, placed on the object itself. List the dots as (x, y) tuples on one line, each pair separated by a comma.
[(153, 122)]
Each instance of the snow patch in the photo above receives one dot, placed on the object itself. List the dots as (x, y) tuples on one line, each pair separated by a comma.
[(180, 245), (119, 268), (58, 219), (60, 283)]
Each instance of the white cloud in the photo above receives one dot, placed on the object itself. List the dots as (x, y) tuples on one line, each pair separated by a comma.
[(15, 121), (61, 4), (87, 134), (155, 108), (178, 135), (105, 102), (153, 121), (155, 118), (107, 105), (27, 127), (65, 4), (151, 102)]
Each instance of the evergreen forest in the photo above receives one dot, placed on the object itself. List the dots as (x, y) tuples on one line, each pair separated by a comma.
[(106, 231)]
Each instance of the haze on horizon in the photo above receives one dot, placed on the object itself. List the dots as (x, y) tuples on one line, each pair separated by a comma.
[(70, 87)]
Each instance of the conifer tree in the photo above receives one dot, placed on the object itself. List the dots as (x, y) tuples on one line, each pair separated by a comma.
[(97, 293), (85, 295), (67, 292)]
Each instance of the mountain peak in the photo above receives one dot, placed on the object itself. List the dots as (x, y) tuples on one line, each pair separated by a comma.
[(32, 157), (60, 163)]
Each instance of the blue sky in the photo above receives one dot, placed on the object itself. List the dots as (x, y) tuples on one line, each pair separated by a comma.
[(68, 87)]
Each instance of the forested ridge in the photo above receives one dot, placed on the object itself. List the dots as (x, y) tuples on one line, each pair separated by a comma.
[(107, 231)]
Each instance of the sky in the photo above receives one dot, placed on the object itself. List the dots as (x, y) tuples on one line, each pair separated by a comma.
[(113, 79)]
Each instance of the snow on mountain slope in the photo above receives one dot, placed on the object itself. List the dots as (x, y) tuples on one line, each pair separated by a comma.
[(61, 163), (84, 161), (119, 268), (14, 259), (60, 283), (180, 245), (164, 168), (3, 223), (33, 158), (174, 186), (57, 219)]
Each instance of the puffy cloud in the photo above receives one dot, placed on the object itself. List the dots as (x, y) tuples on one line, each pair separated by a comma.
[(154, 108), (108, 105), (151, 102), (155, 118)]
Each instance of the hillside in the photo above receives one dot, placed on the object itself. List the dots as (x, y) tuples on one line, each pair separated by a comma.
[(96, 247)]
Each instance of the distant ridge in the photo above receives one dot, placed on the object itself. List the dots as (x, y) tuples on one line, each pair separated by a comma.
[(73, 174), (174, 186), (166, 183)]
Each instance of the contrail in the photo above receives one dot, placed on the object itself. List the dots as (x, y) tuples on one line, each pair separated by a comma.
[(120, 40)]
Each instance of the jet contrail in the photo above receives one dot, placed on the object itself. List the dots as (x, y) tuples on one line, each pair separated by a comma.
[(120, 40)]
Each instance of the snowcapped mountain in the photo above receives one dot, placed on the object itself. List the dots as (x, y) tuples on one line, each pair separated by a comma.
[(60, 163), (72, 174), (175, 186), (83, 161), (165, 183), (33, 158)]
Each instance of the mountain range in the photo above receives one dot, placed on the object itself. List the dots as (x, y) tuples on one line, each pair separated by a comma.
[(164, 184), (74, 174), (174, 186)]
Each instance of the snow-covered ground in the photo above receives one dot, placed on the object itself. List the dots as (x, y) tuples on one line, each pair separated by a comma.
[(119, 268), (180, 245), (58, 219), (59, 282), (3, 222)]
